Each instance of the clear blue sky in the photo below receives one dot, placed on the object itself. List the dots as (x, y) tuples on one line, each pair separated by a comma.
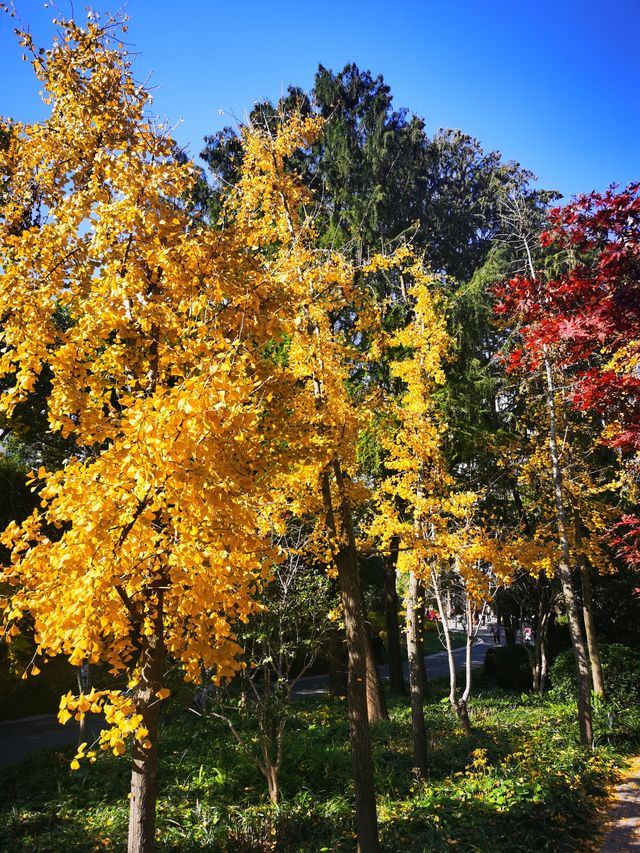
[(554, 85)]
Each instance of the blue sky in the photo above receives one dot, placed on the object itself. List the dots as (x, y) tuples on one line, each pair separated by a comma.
[(554, 85)]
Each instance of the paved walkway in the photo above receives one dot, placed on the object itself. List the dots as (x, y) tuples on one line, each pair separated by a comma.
[(21, 738), (436, 665), (622, 834)]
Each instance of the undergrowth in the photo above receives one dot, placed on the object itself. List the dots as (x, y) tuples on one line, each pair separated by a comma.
[(521, 782)]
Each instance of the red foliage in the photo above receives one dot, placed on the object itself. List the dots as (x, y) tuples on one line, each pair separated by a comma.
[(625, 538), (588, 316), (593, 308)]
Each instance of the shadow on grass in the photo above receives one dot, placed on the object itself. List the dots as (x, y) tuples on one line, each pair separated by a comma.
[(449, 822), (213, 799)]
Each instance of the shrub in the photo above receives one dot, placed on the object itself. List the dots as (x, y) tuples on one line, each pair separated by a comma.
[(510, 666), (489, 662), (620, 669)]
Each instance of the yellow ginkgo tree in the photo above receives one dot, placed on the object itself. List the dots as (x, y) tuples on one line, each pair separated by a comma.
[(415, 463), (418, 501), (155, 333)]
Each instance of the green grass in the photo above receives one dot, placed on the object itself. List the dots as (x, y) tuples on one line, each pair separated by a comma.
[(432, 644), (520, 783)]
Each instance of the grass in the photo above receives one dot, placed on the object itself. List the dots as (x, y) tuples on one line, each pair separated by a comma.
[(432, 644), (520, 783)]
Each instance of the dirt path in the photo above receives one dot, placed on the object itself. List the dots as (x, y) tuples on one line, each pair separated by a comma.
[(622, 834)]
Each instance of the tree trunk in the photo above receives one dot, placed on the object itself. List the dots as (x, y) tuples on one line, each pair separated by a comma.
[(590, 630), (463, 701), (460, 709), (272, 749), (420, 623), (351, 594), (83, 674), (587, 614), (394, 652), (376, 706), (538, 654), (272, 782), (142, 806), (564, 573), (415, 680), (544, 664)]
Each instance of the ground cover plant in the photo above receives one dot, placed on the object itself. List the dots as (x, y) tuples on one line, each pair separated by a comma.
[(520, 782)]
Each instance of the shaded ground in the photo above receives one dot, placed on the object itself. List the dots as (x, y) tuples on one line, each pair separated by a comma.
[(623, 832), (521, 782)]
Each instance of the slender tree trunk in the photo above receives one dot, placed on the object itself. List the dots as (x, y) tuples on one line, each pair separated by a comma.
[(564, 572), (351, 594), (460, 704), (394, 652), (272, 783), (590, 630), (468, 658), (587, 613), (538, 653), (142, 807), (461, 712), (463, 701), (376, 705), (272, 749), (544, 664), (83, 674), (420, 622), (414, 650)]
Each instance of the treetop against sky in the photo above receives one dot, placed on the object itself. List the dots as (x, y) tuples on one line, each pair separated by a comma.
[(551, 85)]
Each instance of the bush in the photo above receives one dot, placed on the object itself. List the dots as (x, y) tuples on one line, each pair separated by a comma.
[(510, 666), (620, 669), (489, 662)]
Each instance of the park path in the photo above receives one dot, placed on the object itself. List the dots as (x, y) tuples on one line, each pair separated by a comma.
[(21, 738), (622, 831), (436, 665)]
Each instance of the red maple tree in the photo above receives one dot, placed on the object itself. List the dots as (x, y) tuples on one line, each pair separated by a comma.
[(589, 316)]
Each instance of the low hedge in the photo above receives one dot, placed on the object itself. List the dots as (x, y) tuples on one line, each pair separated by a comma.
[(510, 667), (620, 670)]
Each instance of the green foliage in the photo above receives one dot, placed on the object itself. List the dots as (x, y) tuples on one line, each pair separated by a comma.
[(521, 783), (616, 611), (16, 498), (620, 669), (510, 666), (379, 178)]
